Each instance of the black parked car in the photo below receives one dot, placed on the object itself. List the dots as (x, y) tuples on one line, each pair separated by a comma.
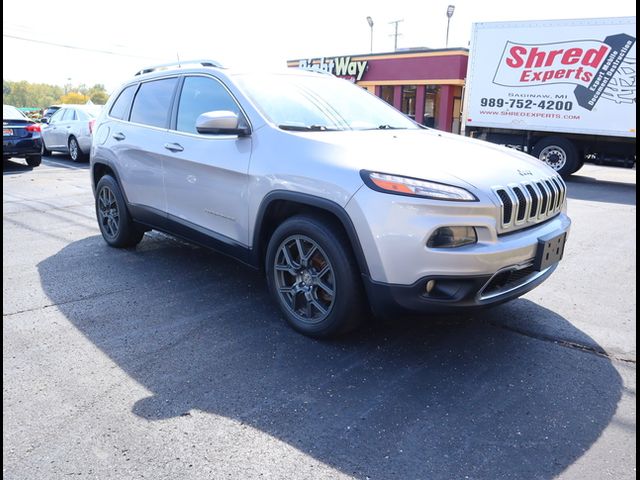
[(20, 136)]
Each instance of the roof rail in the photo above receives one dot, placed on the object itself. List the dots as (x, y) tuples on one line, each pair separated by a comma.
[(204, 63)]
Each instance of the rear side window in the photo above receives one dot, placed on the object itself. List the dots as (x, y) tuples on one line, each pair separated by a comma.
[(122, 105), (82, 115), (200, 95), (69, 114), (153, 101)]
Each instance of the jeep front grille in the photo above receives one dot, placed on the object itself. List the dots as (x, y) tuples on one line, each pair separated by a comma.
[(528, 203)]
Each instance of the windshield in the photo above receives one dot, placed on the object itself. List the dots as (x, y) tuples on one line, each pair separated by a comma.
[(320, 102), (12, 113)]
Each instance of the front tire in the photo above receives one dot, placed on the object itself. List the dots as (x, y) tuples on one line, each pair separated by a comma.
[(312, 275), (44, 151), (114, 220), (559, 153)]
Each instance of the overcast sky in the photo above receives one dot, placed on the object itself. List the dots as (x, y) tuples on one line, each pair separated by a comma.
[(80, 41)]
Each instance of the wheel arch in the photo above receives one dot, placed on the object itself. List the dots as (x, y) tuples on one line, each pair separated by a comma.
[(101, 168), (279, 205)]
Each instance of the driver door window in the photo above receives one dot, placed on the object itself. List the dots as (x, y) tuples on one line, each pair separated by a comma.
[(57, 116), (200, 95)]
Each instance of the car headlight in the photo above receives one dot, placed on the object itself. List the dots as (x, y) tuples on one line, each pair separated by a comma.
[(384, 182)]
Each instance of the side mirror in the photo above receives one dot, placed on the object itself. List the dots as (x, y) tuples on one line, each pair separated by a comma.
[(222, 122), (44, 120)]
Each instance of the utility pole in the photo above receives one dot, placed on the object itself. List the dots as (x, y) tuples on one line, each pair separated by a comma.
[(396, 34)]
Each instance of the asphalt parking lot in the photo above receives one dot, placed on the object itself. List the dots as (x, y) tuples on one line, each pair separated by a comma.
[(170, 361)]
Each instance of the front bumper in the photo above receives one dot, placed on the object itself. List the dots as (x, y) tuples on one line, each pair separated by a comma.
[(394, 231), (454, 294)]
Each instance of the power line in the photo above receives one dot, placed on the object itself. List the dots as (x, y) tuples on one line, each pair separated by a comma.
[(75, 47), (396, 34)]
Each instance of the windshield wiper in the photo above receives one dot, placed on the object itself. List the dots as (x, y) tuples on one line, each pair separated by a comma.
[(388, 127), (306, 128)]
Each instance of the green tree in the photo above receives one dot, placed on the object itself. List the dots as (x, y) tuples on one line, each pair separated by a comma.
[(25, 94), (98, 94)]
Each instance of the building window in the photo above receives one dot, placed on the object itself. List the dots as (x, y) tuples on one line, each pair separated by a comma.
[(409, 100), (431, 98), (386, 93)]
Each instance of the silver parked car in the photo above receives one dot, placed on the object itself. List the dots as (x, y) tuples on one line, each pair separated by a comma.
[(346, 204), (69, 130)]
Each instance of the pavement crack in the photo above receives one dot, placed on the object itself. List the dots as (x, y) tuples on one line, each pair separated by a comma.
[(75, 300), (599, 351)]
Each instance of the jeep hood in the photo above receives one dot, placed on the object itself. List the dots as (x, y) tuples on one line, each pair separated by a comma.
[(434, 155)]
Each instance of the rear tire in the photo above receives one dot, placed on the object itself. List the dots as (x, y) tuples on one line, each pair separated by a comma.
[(116, 225), (76, 154), (314, 278), (558, 153), (34, 160)]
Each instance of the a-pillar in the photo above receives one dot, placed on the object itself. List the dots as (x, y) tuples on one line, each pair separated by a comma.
[(445, 108)]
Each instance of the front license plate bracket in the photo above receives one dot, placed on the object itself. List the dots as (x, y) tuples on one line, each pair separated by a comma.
[(550, 250)]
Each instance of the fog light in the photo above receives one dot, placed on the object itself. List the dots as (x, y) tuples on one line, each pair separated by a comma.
[(450, 237), (430, 286)]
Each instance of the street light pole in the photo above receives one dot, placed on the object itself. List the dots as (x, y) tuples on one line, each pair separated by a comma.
[(370, 22), (450, 10)]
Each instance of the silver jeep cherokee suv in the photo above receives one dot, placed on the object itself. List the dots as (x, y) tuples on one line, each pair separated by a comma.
[(346, 203)]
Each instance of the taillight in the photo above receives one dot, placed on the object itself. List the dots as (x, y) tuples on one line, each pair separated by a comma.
[(34, 127), (91, 124)]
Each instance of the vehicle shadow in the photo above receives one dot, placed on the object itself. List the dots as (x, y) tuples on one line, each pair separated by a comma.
[(64, 160), (10, 167), (405, 398), (581, 187)]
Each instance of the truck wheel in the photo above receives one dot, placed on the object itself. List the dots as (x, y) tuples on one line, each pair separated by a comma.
[(578, 166), (314, 278), (557, 152)]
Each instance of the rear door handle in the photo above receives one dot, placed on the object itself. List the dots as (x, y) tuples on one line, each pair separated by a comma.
[(119, 136), (174, 147)]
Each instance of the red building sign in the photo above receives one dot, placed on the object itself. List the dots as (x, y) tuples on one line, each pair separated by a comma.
[(424, 84)]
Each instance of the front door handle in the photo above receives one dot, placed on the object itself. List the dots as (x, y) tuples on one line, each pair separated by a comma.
[(174, 147), (119, 136)]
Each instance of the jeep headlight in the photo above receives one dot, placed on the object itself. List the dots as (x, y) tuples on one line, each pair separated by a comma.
[(395, 184)]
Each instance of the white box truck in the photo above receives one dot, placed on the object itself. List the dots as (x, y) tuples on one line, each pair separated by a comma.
[(562, 90)]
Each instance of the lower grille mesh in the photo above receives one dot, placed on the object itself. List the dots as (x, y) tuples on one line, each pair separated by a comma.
[(507, 280)]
